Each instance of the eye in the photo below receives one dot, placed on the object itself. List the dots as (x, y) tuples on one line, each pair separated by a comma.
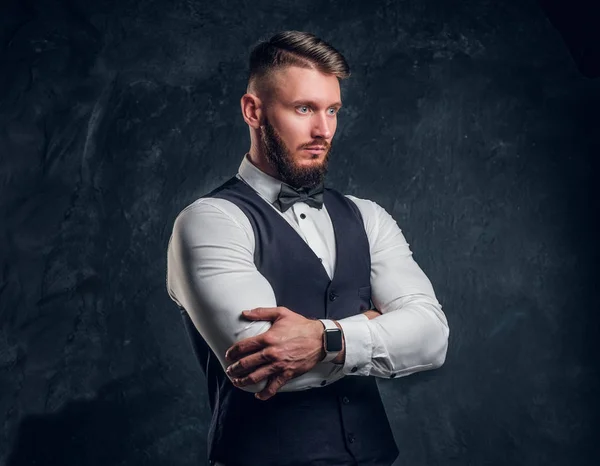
[(303, 108), (333, 110)]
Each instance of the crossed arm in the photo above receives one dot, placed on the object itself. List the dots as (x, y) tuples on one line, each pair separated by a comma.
[(211, 273), (292, 346)]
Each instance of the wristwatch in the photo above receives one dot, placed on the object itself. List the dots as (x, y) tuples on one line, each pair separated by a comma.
[(332, 339)]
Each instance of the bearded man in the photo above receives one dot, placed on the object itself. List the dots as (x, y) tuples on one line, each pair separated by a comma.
[(296, 296)]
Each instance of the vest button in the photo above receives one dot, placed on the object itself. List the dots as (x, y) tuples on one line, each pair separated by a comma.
[(323, 382), (392, 376), (345, 400), (354, 369), (332, 296), (351, 438)]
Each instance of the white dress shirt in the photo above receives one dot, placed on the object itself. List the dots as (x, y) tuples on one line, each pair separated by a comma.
[(211, 273)]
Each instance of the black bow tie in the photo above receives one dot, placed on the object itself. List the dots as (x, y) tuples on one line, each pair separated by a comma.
[(288, 196)]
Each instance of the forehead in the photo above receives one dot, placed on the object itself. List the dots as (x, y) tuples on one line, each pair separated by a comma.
[(296, 84)]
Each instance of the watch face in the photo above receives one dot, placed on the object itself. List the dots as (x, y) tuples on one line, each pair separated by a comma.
[(333, 340)]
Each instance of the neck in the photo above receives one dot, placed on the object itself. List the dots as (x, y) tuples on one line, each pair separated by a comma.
[(257, 158)]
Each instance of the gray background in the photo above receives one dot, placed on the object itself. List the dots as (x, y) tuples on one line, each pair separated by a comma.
[(468, 121)]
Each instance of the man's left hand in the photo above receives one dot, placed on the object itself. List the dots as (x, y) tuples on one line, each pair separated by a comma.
[(292, 346)]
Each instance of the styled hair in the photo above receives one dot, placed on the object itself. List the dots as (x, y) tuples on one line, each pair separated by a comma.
[(295, 48)]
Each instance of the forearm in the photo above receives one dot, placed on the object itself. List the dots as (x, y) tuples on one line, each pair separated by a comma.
[(328, 372), (410, 338), (339, 359), (411, 334)]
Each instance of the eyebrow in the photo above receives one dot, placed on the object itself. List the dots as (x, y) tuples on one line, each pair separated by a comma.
[(314, 104)]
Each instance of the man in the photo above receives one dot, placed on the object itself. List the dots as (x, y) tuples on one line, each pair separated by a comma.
[(289, 382)]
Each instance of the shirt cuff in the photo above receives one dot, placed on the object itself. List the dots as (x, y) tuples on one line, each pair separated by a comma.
[(323, 374), (358, 344)]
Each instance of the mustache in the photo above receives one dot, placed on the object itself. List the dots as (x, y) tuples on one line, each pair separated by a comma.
[(325, 144)]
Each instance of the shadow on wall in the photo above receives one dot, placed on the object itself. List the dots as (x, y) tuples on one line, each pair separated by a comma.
[(113, 428)]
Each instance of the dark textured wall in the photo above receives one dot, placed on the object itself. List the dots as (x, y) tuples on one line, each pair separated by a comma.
[(468, 121)]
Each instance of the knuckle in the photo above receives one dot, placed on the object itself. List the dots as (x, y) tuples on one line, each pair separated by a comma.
[(269, 339), (278, 366), (271, 354), (277, 382), (280, 382)]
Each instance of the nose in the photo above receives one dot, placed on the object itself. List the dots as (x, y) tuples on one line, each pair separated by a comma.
[(323, 126)]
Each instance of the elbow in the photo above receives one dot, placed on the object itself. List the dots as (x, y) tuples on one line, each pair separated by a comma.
[(438, 356), (434, 339)]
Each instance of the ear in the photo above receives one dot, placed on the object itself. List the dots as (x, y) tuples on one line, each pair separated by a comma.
[(252, 110)]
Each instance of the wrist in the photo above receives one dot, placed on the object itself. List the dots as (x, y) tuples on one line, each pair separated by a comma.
[(321, 333), (333, 340)]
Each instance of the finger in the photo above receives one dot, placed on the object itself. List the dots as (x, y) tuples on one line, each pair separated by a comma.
[(257, 376), (274, 384), (245, 346), (248, 364), (263, 313)]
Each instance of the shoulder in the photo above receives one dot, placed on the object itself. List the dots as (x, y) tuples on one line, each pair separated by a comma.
[(369, 209), (376, 219), (211, 214), (366, 206)]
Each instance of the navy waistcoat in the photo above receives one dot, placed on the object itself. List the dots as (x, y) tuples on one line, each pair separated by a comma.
[(341, 424)]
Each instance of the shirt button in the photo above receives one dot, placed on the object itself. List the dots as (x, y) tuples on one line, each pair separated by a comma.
[(323, 382), (302, 216), (354, 369), (345, 400), (332, 296), (351, 438)]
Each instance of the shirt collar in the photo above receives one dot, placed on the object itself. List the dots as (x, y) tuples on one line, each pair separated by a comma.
[(265, 185)]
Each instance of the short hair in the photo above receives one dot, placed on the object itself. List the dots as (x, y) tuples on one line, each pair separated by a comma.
[(295, 48)]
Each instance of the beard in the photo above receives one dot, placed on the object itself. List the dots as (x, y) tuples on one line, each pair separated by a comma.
[(280, 158)]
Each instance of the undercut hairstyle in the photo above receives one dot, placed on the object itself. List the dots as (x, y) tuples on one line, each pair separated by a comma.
[(294, 48)]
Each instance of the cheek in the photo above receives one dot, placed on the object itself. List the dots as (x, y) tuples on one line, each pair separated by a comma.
[(295, 133)]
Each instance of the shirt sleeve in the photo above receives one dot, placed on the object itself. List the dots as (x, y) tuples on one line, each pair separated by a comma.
[(412, 333), (212, 275)]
